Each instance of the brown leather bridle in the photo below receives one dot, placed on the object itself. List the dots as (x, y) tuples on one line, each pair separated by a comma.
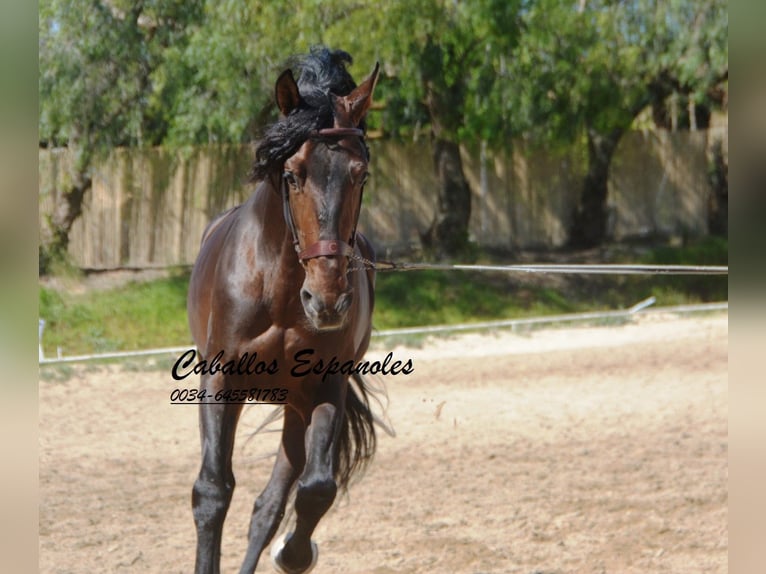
[(323, 247)]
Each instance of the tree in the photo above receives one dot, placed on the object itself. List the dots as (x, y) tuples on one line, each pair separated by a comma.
[(588, 68), (441, 57), (149, 72), (122, 73), (443, 60), (228, 66), (225, 72), (100, 88)]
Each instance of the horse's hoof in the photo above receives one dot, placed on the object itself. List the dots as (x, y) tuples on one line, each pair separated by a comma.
[(276, 552)]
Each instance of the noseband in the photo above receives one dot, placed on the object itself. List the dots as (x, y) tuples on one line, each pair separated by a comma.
[(323, 247)]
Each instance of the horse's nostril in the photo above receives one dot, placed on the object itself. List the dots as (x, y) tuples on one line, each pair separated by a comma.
[(306, 296), (344, 302)]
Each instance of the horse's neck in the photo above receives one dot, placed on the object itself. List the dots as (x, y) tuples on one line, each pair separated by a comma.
[(275, 254)]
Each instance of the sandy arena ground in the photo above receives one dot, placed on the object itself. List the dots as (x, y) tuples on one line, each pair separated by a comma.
[(587, 450)]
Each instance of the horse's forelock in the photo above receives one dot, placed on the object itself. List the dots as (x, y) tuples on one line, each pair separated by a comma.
[(322, 73)]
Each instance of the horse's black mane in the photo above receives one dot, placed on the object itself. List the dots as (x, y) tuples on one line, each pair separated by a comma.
[(322, 72)]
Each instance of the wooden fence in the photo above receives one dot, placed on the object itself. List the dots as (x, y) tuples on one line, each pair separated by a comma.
[(149, 207)]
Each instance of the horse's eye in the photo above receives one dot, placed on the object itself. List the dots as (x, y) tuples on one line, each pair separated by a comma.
[(365, 177), (290, 178)]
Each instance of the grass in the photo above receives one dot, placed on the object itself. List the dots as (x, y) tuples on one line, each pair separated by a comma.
[(418, 298), (153, 314), (135, 316)]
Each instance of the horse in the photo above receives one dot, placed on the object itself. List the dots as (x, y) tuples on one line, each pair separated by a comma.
[(279, 278)]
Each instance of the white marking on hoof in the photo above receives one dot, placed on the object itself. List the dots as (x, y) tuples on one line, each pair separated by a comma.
[(276, 551)]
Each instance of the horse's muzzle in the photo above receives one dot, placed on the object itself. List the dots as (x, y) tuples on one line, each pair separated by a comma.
[(326, 313)]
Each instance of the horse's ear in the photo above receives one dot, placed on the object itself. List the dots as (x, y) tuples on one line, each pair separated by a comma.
[(286, 93), (360, 100)]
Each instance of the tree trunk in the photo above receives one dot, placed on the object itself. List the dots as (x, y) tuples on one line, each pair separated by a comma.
[(718, 201), (445, 100), (589, 227), (448, 234), (55, 239)]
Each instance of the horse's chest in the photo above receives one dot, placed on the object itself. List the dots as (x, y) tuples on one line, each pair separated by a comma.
[(292, 348)]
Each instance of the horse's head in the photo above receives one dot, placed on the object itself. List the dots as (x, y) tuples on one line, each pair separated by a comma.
[(322, 194)]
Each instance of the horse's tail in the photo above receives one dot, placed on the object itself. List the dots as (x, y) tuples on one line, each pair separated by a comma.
[(357, 441)]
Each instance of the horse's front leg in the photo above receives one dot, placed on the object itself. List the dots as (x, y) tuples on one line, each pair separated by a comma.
[(316, 484), (270, 505), (214, 486)]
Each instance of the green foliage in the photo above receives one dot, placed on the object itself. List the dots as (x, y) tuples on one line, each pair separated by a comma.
[(598, 65), (443, 63), (222, 74), (195, 72), (102, 71), (132, 73)]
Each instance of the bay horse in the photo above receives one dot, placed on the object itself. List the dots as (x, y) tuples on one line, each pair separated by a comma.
[(277, 277)]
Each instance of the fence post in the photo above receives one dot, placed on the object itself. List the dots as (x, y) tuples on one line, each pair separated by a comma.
[(40, 329)]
